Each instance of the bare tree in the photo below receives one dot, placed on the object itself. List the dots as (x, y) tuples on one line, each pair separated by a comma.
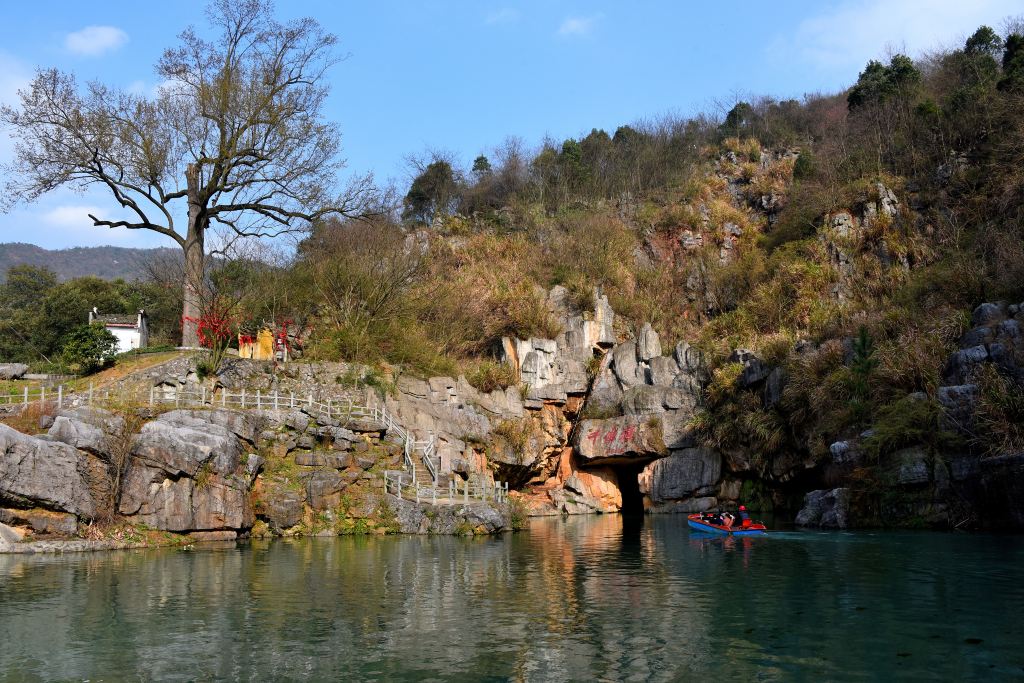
[(236, 134)]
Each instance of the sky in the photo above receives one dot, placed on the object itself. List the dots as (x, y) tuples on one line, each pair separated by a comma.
[(461, 76)]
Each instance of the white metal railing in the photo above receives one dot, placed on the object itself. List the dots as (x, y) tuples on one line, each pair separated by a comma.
[(464, 491), (39, 394)]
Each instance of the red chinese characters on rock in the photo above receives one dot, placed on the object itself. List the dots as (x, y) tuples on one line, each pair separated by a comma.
[(613, 436)]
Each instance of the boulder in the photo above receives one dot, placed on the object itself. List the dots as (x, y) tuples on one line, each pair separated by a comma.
[(240, 423), (42, 521), (648, 344), (773, 387), (643, 399), (963, 364), (675, 429), (337, 459), (913, 466), (36, 472), (606, 393), (826, 508), (986, 313), (689, 359), (324, 487), (185, 445), (687, 473), (843, 452), (627, 369), (10, 371), (8, 538), (281, 507), (87, 429), (754, 370), (663, 371), (421, 518), (959, 404), (183, 504)]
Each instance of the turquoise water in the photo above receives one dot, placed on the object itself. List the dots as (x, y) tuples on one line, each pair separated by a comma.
[(597, 598)]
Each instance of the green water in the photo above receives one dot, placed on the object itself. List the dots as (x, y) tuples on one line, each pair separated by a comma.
[(585, 599)]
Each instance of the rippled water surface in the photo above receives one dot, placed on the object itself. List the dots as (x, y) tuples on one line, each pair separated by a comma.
[(598, 598)]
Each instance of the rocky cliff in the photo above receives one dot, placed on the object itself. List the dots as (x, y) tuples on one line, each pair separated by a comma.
[(199, 474)]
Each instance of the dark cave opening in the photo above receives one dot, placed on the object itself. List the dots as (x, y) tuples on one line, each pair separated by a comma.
[(629, 486)]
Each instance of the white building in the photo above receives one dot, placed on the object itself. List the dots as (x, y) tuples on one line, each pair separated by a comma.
[(131, 331)]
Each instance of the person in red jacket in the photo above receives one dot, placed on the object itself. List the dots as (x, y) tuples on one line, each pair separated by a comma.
[(744, 517)]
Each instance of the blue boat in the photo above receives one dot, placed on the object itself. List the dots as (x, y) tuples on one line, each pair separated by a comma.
[(703, 523)]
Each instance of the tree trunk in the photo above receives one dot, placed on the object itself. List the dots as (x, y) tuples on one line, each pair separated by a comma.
[(195, 262)]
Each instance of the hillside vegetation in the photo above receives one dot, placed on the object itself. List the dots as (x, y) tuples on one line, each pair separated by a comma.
[(108, 263)]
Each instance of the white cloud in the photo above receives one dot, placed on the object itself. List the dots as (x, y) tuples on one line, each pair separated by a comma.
[(505, 15), (849, 34), (93, 41), (578, 26), (71, 216)]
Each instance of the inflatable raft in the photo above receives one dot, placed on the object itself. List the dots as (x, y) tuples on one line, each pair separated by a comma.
[(706, 523)]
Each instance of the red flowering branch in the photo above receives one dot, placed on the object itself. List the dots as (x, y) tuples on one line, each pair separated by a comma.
[(217, 326)]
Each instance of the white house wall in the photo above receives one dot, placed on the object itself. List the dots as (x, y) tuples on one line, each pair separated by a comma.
[(127, 339)]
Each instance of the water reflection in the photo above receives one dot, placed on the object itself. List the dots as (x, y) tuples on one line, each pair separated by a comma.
[(599, 598)]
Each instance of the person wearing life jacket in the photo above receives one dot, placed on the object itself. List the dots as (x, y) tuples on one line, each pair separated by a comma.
[(744, 517)]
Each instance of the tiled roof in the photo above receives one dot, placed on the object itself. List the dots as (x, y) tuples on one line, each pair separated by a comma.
[(117, 319)]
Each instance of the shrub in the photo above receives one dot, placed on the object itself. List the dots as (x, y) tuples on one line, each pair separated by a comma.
[(1000, 412), (489, 375), (910, 421), (723, 382), (88, 348), (516, 434), (519, 513)]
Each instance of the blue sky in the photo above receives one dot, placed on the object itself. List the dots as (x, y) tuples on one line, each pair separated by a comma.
[(461, 76)]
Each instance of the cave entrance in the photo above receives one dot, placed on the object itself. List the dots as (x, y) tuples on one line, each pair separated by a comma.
[(629, 486)]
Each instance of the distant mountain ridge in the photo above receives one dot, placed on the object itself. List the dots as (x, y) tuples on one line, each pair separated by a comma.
[(108, 262)]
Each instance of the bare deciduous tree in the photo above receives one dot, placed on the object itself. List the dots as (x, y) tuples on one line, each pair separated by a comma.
[(235, 133)]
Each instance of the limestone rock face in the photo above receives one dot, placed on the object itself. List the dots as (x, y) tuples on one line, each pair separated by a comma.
[(643, 399), (324, 487), (336, 459), (754, 370), (87, 429), (77, 434), (41, 521), (663, 371), (240, 423), (478, 518), (826, 508), (648, 344), (606, 393), (8, 538), (600, 484), (12, 370), (181, 445), (281, 507), (627, 369), (618, 436), (34, 472), (687, 473), (184, 504), (914, 466)]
